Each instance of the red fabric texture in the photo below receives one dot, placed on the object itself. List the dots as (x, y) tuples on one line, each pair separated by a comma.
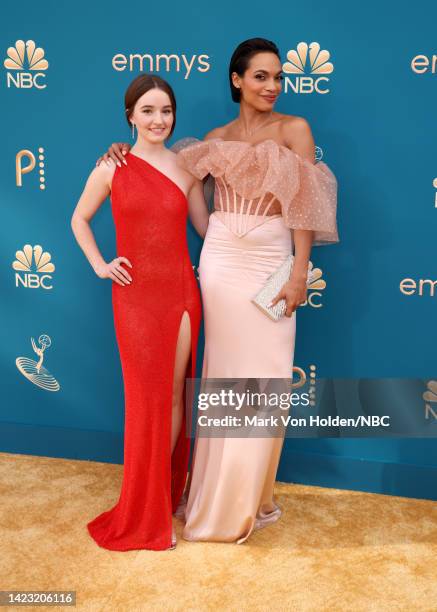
[(150, 216)]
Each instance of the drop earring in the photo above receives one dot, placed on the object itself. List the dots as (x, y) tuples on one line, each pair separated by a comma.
[(133, 130)]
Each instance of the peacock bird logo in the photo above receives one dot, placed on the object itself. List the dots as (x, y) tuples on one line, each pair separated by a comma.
[(33, 256), (315, 285), (304, 54), (317, 282), (33, 370), (430, 397), (25, 56)]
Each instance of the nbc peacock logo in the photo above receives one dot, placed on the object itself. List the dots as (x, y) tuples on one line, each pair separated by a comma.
[(26, 66), (34, 370), (309, 65), (430, 397), (33, 268), (317, 285)]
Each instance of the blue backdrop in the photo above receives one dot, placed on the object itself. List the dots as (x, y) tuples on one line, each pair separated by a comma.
[(376, 130)]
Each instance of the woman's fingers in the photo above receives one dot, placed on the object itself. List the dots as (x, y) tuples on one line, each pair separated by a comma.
[(112, 154), (290, 309), (126, 261), (124, 273), (115, 279), (98, 162), (106, 159), (119, 275), (117, 155), (277, 298)]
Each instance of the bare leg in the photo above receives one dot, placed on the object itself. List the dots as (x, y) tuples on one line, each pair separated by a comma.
[(183, 350)]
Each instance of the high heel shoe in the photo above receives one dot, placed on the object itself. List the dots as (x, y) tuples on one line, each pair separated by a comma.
[(173, 539)]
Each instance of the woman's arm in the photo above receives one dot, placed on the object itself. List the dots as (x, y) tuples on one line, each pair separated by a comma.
[(97, 189), (197, 208), (298, 137)]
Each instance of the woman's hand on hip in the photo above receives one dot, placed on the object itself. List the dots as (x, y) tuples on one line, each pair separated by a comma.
[(294, 292), (115, 271), (116, 152)]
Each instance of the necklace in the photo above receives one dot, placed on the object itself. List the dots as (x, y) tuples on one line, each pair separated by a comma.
[(249, 133)]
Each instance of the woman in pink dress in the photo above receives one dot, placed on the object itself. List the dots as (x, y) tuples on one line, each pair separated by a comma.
[(270, 200)]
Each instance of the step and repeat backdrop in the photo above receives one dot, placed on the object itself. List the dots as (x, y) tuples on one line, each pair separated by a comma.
[(364, 77)]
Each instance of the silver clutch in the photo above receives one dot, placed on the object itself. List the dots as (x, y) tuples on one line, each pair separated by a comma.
[(274, 283)]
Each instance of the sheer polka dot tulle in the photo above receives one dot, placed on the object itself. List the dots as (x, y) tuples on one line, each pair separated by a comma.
[(266, 179)]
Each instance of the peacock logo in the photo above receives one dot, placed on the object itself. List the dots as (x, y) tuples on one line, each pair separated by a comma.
[(317, 285), (28, 65), (33, 267), (34, 370), (309, 65), (430, 397)]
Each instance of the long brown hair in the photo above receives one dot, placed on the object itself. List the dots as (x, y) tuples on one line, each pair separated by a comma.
[(139, 86)]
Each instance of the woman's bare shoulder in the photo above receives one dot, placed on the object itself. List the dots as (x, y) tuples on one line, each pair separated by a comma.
[(104, 172), (293, 126), (219, 132)]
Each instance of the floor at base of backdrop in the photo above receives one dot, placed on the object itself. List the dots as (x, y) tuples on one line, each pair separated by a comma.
[(332, 550)]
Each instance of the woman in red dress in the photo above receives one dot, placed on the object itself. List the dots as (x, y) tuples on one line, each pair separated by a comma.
[(157, 312)]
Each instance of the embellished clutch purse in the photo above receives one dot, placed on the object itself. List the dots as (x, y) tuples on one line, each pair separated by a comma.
[(272, 287)]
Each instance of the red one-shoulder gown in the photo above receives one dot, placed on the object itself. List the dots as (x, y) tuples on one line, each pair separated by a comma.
[(150, 217)]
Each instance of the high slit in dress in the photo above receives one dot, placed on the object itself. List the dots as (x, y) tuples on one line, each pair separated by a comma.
[(150, 217)]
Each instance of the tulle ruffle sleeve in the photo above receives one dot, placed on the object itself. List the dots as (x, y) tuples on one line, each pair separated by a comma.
[(199, 160), (307, 192), (314, 205)]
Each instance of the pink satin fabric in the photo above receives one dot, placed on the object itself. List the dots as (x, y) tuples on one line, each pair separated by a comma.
[(262, 192), (232, 479)]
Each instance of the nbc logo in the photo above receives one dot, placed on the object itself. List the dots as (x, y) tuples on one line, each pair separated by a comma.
[(21, 168), (27, 63), (42, 266), (317, 285), (308, 64), (430, 397), (34, 370)]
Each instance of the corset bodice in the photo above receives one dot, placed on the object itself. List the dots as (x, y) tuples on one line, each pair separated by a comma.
[(256, 181)]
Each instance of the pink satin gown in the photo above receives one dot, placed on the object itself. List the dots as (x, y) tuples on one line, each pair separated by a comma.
[(261, 192)]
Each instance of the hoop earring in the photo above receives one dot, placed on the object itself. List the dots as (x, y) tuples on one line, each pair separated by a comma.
[(133, 130)]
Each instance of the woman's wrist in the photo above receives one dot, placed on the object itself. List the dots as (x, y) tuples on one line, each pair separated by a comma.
[(98, 266), (298, 275)]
